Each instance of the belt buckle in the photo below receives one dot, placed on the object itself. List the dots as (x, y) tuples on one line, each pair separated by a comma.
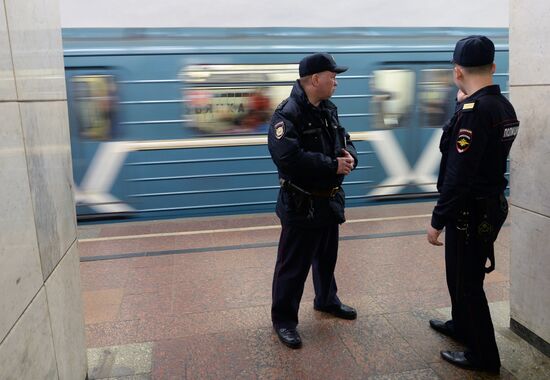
[(334, 191)]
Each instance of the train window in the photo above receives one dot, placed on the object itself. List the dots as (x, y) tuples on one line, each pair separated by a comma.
[(393, 96), (436, 97), (230, 99), (95, 102)]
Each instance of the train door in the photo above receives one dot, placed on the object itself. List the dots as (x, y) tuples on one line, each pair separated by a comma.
[(411, 103), (92, 103)]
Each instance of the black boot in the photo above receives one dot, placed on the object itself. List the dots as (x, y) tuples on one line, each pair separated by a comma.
[(465, 360), (289, 337)]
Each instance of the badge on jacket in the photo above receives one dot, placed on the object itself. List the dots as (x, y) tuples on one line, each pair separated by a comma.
[(464, 140), (279, 130)]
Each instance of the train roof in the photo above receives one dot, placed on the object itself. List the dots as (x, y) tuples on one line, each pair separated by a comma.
[(140, 41)]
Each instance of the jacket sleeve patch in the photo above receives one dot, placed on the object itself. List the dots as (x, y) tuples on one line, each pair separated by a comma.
[(510, 131), (279, 130), (464, 140)]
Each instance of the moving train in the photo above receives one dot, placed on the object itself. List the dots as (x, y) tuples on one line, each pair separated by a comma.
[(172, 122)]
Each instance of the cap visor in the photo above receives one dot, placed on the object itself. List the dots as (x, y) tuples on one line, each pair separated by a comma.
[(340, 69)]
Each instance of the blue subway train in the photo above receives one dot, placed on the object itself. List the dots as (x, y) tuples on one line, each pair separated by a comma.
[(172, 122)]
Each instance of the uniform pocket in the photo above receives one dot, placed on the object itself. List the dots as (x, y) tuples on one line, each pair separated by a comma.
[(287, 200), (337, 205)]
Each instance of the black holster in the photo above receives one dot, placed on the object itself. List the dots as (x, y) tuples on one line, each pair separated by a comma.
[(494, 211), (481, 218), (484, 225), (301, 199)]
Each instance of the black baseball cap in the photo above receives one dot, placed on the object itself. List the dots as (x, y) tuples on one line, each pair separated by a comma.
[(317, 63), (474, 51)]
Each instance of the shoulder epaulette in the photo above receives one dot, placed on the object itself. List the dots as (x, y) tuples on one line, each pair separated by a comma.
[(282, 104), (468, 107)]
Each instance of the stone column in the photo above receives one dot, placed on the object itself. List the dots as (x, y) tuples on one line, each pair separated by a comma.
[(41, 319), (530, 172)]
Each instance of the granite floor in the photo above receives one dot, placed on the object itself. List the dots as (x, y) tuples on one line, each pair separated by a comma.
[(190, 299)]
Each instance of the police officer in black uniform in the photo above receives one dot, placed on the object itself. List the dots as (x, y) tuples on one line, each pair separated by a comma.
[(471, 206), (313, 154)]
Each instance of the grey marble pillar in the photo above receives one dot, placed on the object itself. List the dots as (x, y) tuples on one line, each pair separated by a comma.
[(41, 319), (530, 172)]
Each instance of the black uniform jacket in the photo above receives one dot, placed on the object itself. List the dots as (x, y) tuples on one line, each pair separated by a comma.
[(304, 142), (475, 146)]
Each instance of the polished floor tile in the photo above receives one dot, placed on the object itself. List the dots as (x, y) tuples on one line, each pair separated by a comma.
[(201, 301)]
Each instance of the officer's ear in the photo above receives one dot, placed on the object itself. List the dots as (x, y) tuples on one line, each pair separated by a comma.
[(315, 80), (458, 72), (493, 68)]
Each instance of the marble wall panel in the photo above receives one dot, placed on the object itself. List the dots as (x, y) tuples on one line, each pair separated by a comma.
[(36, 48), (7, 82), (27, 353), (20, 274), (530, 172), (66, 313), (529, 45), (46, 132), (529, 268)]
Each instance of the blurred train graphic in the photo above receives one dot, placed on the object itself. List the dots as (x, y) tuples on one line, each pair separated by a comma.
[(172, 122)]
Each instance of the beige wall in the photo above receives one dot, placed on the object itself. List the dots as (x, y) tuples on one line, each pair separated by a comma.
[(530, 168), (41, 321)]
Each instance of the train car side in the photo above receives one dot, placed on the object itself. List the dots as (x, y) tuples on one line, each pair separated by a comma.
[(174, 125)]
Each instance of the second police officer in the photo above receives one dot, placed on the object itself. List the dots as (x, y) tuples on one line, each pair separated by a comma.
[(471, 206), (313, 153)]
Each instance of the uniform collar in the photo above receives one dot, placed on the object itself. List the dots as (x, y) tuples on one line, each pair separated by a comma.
[(493, 89)]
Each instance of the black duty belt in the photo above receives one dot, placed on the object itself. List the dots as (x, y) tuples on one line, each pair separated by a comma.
[(326, 193), (329, 193)]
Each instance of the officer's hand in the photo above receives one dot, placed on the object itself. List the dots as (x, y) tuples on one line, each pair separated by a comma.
[(345, 163), (347, 154), (433, 236), (460, 96)]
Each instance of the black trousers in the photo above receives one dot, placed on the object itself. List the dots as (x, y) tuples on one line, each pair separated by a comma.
[(470, 312), (299, 249)]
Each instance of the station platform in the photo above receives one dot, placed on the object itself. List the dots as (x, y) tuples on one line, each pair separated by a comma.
[(190, 299)]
